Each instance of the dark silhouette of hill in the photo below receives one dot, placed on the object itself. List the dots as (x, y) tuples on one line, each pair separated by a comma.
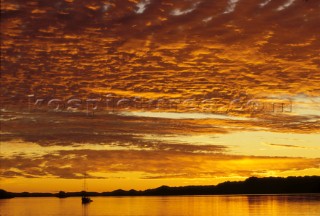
[(252, 185), (5, 195), (62, 194)]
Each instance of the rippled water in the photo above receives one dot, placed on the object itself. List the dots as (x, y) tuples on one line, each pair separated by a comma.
[(253, 205)]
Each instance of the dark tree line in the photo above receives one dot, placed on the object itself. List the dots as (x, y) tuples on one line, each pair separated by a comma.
[(252, 185)]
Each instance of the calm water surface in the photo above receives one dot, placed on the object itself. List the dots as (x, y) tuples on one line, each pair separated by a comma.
[(243, 205)]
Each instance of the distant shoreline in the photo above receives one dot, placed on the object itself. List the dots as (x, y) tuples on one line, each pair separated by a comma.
[(251, 186)]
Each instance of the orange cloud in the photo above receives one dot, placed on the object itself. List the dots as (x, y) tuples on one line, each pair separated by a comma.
[(227, 52)]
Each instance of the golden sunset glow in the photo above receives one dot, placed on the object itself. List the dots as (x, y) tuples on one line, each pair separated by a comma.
[(139, 94)]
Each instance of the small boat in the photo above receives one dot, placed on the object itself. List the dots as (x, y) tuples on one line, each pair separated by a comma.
[(86, 199)]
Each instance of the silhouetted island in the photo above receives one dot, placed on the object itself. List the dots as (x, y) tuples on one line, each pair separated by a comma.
[(252, 185)]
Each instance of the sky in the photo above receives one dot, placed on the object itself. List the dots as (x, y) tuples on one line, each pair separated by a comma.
[(135, 94)]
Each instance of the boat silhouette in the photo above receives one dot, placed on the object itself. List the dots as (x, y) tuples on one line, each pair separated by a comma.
[(85, 199)]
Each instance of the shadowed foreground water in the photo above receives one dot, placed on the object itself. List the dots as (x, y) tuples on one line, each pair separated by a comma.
[(253, 205)]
